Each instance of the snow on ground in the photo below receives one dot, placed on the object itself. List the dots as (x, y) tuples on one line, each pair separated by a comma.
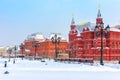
[(50, 70)]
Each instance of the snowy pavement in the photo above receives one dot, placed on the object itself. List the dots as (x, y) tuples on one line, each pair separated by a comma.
[(50, 70)]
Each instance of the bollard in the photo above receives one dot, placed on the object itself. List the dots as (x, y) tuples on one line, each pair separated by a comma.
[(119, 62), (9, 60), (5, 65), (13, 61)]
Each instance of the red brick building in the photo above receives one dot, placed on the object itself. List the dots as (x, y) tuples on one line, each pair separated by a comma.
[(84, 43), (45, 46)]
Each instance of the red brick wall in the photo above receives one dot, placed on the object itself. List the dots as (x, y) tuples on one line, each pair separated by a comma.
[(46, 47)]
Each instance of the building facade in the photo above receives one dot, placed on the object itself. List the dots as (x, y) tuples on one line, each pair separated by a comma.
[(5, 51), (45, 46), (84, 42)]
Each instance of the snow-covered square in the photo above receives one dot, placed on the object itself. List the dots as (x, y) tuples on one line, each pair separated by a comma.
[(50, 70)]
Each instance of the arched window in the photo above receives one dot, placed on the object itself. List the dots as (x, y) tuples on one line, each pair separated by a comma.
[(118, 45), (112, 45)]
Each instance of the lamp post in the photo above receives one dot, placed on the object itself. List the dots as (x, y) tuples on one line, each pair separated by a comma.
[(103, 32), (35, 45), (56, 40), (9, 52), (15, 48), (22, 48)]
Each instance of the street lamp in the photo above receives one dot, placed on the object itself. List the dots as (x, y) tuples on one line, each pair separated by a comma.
[(103, 32), (15, 48), (22, 48), (9, 52), (56, 40), (35, 45)]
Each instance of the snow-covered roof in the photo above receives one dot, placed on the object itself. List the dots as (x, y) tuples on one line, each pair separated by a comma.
[(99, 47), (27, 50), (37, 36), (91, 26), (114, 29), (1, 47), (85, 25), (58, 35)]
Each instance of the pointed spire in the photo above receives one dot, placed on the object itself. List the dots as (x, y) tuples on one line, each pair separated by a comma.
[(99, 14), (99, 7), (72, 22)]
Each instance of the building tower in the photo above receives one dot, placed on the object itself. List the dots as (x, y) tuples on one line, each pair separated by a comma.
[(99, 38), (99, 19), (72, 36)]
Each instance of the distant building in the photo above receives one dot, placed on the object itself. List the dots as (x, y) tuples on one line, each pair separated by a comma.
[(46, 47), (4, 51), (84, 43)]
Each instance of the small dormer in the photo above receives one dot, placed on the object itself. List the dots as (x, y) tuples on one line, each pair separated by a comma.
[(84, 29), (87, 29)]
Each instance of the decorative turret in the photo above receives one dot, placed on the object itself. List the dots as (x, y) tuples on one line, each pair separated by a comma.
[(72, 22), (99, 14), (99, 19)]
